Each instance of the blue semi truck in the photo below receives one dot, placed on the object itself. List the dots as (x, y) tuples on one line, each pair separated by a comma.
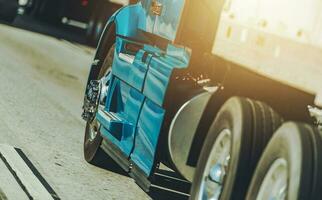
[(226, 93)]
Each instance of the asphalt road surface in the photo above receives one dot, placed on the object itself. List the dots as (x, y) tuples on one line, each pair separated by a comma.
[(42, 81)]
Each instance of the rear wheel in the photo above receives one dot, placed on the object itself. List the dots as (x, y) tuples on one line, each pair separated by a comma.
[(93, 139), (232, 148), (291, 165)]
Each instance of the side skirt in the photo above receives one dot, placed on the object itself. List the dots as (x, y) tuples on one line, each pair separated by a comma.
[(123, 161), (140, 177), (116, 154), (167, 182)]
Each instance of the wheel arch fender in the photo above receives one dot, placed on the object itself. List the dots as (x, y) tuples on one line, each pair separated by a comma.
[(125, 22), (106, 41), (212, 107), (182, 132), (120, 24)]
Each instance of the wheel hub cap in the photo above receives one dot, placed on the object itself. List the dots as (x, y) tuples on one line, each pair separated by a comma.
[(94, 129), (274, 186), (216, 167)]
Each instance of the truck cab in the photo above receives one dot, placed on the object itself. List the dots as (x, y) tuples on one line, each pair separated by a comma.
[(144, 75), (177, 82)]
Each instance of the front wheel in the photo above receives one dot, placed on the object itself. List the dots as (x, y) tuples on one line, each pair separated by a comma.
[(93, 139), (291, 165)]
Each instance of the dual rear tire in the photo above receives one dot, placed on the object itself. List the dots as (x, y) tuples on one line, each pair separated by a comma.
[(250, 154), (291, 165), (245, 126)]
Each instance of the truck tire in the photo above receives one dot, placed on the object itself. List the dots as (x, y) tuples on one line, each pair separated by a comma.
[(93, 139), (291, 165), (232, 148)]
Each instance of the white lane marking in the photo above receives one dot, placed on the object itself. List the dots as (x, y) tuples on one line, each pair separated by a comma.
[(9, 186), (169, 190), (23, 172)]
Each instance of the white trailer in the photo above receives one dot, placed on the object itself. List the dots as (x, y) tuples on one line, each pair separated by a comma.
[(270, 52), (280, 39)]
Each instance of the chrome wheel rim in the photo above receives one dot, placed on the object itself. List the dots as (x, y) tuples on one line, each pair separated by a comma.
[(216, 167), (274, 185), (94, 129), (104, 77), (95, 125)]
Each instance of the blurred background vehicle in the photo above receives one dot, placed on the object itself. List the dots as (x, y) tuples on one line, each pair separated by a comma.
[(8, 10), (86, 16)]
